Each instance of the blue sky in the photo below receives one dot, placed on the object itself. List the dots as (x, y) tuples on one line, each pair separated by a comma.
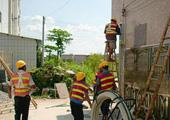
[(84, 19)]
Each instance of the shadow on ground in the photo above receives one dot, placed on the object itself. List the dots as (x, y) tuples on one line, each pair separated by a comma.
[(69, 116)]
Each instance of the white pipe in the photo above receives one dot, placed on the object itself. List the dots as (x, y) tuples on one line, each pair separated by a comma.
[(126, 115)]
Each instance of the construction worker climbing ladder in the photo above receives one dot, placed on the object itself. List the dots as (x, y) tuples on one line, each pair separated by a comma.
[(111, 30)]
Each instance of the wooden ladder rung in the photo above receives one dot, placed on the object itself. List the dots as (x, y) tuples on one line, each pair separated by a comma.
[(154, 78), (160, 66), (144, 107), (166, 38)]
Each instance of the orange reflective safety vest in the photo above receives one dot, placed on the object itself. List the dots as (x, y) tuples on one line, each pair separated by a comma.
[(79, 89), (107, 82), (21, 83), (111, 29)]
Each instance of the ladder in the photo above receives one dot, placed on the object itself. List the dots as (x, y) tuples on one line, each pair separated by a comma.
[(114, 64), (151, 74)]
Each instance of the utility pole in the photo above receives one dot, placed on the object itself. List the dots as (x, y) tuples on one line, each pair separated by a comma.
[(122, 51), (42, 42)]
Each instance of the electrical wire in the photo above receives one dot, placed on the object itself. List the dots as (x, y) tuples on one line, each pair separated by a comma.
[(143, 5), (61, 7), (130, 3)]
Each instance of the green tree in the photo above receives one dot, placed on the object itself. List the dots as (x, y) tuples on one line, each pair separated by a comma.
[(49, 49), (93, 61), (60, 38)]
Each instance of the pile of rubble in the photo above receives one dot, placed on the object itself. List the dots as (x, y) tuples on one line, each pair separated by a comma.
[(6, 104), (4, 97)]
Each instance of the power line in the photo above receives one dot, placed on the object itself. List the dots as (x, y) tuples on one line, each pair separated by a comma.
[(143, 5), (130, 3), (61, 7)]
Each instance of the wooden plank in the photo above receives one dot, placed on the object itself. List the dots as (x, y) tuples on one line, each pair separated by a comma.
[(62, 90)]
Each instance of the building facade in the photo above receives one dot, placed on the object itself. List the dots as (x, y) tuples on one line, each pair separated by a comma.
[(144, 22), (10, 16)]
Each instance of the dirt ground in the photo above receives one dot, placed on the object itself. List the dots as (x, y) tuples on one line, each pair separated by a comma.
[(48, 109)]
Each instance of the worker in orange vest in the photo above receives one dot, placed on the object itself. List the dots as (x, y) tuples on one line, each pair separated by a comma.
[(78, 94), (94, 81), (22, 84), (105, 82), (111, 30)]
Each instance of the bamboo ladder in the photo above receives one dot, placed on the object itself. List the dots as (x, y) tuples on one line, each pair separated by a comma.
[(151, 74)]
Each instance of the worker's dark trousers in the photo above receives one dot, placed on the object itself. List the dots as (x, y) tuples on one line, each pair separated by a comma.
[(22, 107), (105, 107), (77, 111)]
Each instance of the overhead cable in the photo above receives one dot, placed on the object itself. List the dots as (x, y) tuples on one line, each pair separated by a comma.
[(143, 5), (60, 8), (130, 3)]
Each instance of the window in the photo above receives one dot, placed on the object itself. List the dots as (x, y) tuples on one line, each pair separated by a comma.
[(140, 35)]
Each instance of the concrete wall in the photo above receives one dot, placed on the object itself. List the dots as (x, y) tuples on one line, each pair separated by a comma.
[(13, 48), (152, 13)]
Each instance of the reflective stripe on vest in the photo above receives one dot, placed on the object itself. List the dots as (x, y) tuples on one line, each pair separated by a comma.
[(97, 74), (107, 82), (111, 28), (21, 84), (78, 91)]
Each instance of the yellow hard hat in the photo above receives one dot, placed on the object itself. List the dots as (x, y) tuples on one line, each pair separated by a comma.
[(103, 64), (20, 64), (80, 76)]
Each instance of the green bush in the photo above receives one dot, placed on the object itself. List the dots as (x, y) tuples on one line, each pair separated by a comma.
[(54, 71)]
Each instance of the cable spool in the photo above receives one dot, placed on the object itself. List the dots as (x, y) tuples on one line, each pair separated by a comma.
[(126, 115)]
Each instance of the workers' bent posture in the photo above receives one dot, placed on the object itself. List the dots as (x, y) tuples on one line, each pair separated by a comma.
[(78, 94), (105, 82), (111, 30), (22, 84)]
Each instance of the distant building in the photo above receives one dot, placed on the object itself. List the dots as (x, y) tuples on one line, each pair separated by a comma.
[(75, 58), (10, 16)]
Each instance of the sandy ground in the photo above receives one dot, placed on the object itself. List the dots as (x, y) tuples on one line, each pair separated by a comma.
[(48, 109)]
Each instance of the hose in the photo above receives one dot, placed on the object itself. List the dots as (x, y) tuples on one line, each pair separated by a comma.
[(126, 115)]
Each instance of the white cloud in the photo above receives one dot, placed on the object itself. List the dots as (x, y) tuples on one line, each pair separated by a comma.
[(32, 26), (87, 38), (36, 19)]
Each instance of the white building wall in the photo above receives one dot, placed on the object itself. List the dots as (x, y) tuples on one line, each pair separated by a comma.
[(4, 16), (10, 16), (13, 48), (153, 13)]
